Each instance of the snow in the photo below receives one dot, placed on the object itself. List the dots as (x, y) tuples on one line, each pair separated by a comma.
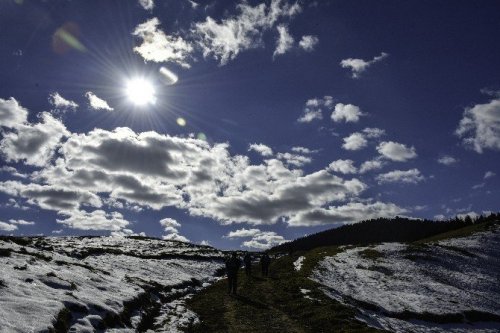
[(99, 286), (297, 264), (444, 281)]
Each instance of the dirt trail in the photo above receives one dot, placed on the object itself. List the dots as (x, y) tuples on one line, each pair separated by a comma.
[(254, 309)]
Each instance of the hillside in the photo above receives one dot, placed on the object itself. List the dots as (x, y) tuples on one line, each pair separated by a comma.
[(397, 229), (84, 284), (449, 285)]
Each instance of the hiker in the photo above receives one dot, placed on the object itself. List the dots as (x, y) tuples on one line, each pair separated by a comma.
[(232, 266), (264, 262), (247, 259)]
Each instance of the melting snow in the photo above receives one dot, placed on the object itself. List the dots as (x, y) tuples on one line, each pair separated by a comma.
[(298, 263), (410, 288), (85, 277)]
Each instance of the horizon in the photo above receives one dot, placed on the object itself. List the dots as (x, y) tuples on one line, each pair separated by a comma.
[(245, 125)]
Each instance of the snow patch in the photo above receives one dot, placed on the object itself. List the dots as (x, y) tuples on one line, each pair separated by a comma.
[(297, 264)]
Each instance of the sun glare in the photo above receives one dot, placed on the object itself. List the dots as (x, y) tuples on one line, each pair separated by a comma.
[(140, 92)]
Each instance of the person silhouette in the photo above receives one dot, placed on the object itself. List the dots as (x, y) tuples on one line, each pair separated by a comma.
[(264, 262), (247, 259), (233, 264)]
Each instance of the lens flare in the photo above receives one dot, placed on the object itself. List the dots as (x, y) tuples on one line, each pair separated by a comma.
[(140, 92), (181, 122)]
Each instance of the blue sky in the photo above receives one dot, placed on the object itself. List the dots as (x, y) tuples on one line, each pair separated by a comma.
[(245, 124)]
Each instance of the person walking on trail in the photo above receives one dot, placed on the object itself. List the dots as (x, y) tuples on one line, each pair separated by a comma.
[(233, 264), (264, 262), (247, 259)]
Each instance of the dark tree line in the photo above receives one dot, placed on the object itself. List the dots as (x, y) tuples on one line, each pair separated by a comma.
[(398, 229)]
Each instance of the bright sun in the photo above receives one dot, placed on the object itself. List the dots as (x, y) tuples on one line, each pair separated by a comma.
[(140, 92)]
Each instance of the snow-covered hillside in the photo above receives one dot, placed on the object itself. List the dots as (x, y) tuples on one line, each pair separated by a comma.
[(100, 283), (447, 286)]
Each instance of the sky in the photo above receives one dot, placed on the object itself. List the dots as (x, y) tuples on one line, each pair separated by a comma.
[(243, 124)]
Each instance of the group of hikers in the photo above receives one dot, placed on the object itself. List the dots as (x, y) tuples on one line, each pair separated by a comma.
[(233, 264)]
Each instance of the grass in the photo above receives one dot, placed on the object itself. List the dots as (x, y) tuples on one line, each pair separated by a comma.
[(371, 254), (276, 303)]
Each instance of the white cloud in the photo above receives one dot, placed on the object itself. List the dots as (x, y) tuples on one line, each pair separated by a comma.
[(261, 148), (259, 239), (12, 114), (97, 103), (95, 220), (478, 186), (314, 109), (358, 66), (147, 4), (7, 227), (346, 112), (21, 222), (411, 176), (284, 42), (396, 151), (447, 160), (371, 165), (489, 174), (60, 103), (35, 144), (169, 222), (294, 159), (355, 141), (170, 227), (349, 213), (242, 233), (175, 237), (303, 150), (226, 39), (480, 126), (343, 166), (159, 47), (308, 43), (373, 132)]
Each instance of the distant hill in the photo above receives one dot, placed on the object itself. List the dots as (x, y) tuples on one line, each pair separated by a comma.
[(397, 229)]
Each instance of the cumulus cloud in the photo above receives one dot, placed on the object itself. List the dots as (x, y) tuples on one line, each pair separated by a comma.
[(159, 47), (447, 160), (489, 174), (7, 227), (12, 114), (261, 148), (346, 112), (284, 42), (411, 176), (104, 170), (94, 220), (343, 166), (224, 40), (314, 109), (147, 4), (97, 103), (171, 228), (260, 240), (294, 159), (358, 66), (480, 126), (345, 214), (396, 151), (60, 103), (35, 144), (308, 43), (371, 165), (355, 141)]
